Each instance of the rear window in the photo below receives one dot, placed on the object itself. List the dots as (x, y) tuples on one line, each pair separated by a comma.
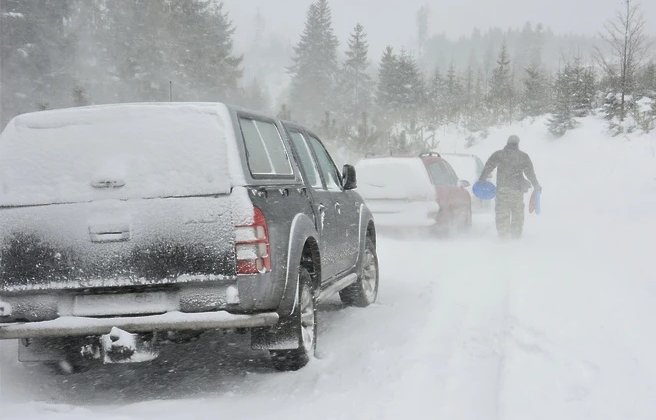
[(120, 152), (394, 178), (265, 149), (466, 168)]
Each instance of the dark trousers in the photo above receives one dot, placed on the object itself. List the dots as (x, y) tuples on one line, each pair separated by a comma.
[(509, 212)]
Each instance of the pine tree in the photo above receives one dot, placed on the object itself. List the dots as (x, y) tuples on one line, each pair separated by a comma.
[(454, 93), (386, 95), (534, 101), (562, 118), (356, 84), (315, 67), (365, 136), (203, 52), (187, 42), (409, 86), (36, 55), (80, 97), (254, 97), (436, 98), (648, 80), (501, 87), (284, 113)]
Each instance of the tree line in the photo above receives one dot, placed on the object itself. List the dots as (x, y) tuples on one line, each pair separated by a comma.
[(58, 53), (405, 106)]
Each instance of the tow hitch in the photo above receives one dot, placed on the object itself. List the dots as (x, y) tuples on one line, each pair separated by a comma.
[(122, 347)]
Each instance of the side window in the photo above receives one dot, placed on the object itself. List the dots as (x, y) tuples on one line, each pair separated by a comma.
[(451, 173), (439, 175), (307, 161), (266, 151), (326, 165)]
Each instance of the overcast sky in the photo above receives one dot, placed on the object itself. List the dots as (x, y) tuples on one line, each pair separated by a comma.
[(392, 22)]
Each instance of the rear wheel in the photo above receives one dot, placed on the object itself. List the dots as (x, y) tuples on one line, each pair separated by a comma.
[(305, 319), (364, 291)]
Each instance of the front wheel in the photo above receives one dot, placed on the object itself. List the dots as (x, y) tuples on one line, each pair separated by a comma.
[(305, 320), (364, 291)]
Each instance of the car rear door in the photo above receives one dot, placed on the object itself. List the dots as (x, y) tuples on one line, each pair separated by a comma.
[(343, 213), (444, 183), (459, 195), (323, 204)]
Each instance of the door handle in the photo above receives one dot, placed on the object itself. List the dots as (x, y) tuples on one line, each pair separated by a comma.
[(110, 233)]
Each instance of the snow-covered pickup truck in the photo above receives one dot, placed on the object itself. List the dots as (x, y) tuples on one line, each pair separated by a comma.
[(127, 227)]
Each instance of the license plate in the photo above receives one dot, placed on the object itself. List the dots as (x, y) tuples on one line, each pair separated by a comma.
[(120, 304)]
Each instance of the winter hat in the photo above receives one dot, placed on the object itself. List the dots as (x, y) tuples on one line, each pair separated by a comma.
[(513, 139)]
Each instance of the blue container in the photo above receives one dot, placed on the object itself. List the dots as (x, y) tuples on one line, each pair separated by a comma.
[(484, 190), (537, 203)]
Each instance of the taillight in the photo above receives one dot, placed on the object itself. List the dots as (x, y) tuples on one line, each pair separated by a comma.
[(252, 246)]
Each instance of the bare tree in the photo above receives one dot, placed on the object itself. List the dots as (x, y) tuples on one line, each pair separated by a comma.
[(629, 45)]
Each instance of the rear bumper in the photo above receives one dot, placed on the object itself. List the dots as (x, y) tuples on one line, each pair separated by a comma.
[(71, 326)]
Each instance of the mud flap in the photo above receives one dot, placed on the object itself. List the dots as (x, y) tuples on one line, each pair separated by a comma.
[(282, 336), (285, 335)]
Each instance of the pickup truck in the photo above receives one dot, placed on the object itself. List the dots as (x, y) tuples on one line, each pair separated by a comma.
[(127, 227)]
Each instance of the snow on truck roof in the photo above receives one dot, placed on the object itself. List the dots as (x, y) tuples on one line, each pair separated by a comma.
[(125, 151)]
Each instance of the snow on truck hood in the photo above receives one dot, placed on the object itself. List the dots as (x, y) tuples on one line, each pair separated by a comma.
[(118, 152)]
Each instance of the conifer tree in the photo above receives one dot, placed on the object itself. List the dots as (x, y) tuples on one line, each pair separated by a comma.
[(534, 100), (315, 68), (453, 93), (386, 95), (562, 118), (501, 87), (356, 85), (254, 97), (436, 99), (36, 55), (409, 86)]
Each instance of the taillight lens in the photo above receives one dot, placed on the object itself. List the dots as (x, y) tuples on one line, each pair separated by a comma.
[(252, 246)]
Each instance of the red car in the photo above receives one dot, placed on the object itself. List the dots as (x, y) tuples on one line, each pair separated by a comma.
[(414, 192)]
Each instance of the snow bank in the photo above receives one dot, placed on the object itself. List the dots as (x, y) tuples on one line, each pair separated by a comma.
[(124, 151)]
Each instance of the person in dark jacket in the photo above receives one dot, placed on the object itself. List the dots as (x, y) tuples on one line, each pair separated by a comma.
[(512, 166)]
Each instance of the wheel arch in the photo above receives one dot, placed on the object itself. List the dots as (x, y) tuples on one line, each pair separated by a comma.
[(304, 250)]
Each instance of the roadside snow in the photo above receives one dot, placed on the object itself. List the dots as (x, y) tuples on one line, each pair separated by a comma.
[(555, 326)]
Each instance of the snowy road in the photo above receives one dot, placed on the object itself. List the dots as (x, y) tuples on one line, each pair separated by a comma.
[(557, 326)]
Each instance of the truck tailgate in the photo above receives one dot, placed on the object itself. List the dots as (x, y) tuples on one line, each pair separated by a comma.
[(114, 243)]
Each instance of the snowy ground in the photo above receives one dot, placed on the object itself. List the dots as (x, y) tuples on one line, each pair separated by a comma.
[(559, 325)]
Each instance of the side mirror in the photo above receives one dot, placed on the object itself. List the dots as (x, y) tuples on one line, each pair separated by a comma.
[(464, 184), (350, 179)]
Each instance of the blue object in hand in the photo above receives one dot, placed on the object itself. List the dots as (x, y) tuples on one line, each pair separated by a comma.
[(537, 203), (484, 190)]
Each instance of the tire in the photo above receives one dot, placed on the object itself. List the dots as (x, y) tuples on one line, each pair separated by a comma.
[(305, 318), (364, 291)]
